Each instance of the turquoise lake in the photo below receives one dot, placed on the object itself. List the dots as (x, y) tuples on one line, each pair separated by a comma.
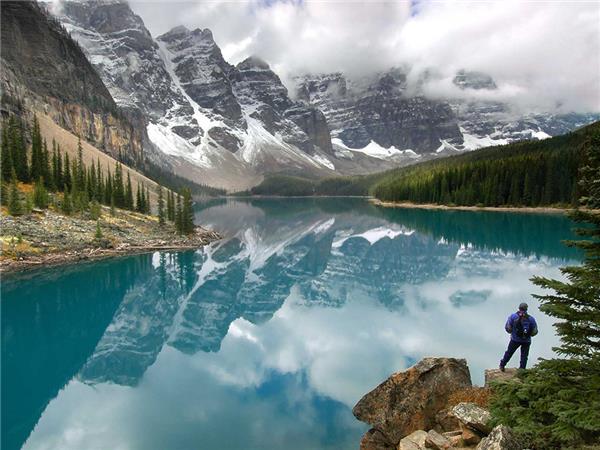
[(266, 339)]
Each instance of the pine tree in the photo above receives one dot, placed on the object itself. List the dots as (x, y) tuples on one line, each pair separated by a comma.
[(148, 205), (6, 158), (118, 187), (178, 216), (53, 168), (557, 403), (15, 207), (45, 165), (80, 166), (108, 189), (100, 182), (40, 194), (161, 206), (36, 151), (18, 149), (67, 179), (66, 205), (139, 207), (129, 193), (187, 213), (98, 235), (170, 206)]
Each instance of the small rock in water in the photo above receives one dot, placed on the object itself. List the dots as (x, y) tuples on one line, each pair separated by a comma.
[(473, 416), (500, 438)]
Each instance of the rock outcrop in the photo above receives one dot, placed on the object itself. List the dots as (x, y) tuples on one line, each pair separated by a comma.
[(43, 69), (473, 416), (408, 401), (380, 109), (500, 438), (492, 375)]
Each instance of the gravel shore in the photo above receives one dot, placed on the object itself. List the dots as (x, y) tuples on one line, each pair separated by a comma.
[(47, 238)]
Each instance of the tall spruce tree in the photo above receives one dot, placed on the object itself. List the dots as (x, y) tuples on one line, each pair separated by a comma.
[(67, 179), (129, 193), (15, 206), (147, 201), (6, 158), (178, 216), (187, 212), (40, 194), (161, 206), (36, 151), (557, 403), (170, 206), (18, 148)]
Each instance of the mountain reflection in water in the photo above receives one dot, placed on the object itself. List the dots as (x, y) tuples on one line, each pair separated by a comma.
[(267, 338)]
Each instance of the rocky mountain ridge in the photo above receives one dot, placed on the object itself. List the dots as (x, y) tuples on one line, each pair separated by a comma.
[(228, 126), (43, 69)]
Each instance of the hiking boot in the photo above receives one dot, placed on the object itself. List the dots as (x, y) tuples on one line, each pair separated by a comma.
[(501, 367)]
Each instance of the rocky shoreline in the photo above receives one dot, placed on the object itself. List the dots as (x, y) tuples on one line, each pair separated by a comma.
[(433, 405), (47, 238)]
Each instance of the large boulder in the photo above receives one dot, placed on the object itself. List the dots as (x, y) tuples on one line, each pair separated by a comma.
[(500, 438), (492, 375), (408, 401), (473, 416)]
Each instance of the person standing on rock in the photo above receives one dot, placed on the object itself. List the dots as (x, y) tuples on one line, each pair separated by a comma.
[(521, 327)]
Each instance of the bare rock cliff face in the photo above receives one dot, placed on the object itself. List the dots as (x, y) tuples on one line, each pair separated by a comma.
[(43, 68)]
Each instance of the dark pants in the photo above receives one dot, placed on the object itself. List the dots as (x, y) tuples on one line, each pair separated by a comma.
[(512, 348)]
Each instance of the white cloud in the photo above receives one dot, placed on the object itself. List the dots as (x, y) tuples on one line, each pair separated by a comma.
[(543, 55)]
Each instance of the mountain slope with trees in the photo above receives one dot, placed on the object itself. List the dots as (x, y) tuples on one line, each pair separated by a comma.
[(534, 173)]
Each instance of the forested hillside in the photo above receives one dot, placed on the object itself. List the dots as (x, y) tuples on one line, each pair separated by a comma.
[(535, 173)]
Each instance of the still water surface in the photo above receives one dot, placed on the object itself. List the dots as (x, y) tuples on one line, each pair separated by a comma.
[(266, 339)]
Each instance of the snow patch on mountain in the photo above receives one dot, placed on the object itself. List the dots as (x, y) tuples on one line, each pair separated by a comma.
[(375, 150)]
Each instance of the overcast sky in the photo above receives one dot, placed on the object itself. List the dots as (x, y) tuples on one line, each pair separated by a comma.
[(541, 54)]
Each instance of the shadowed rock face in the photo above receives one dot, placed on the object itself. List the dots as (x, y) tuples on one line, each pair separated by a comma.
[(408, 401), (45, 59), (380, 110)]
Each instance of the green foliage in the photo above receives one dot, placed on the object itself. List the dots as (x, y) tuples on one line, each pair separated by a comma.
[(557, 403), (98, 235), (537, 173), (161, 206), (178, 215), (129, 194), (285, 185), (187, 213), (15, 207), (177, 183), (40, 194), (95, 210), (66, 205)]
